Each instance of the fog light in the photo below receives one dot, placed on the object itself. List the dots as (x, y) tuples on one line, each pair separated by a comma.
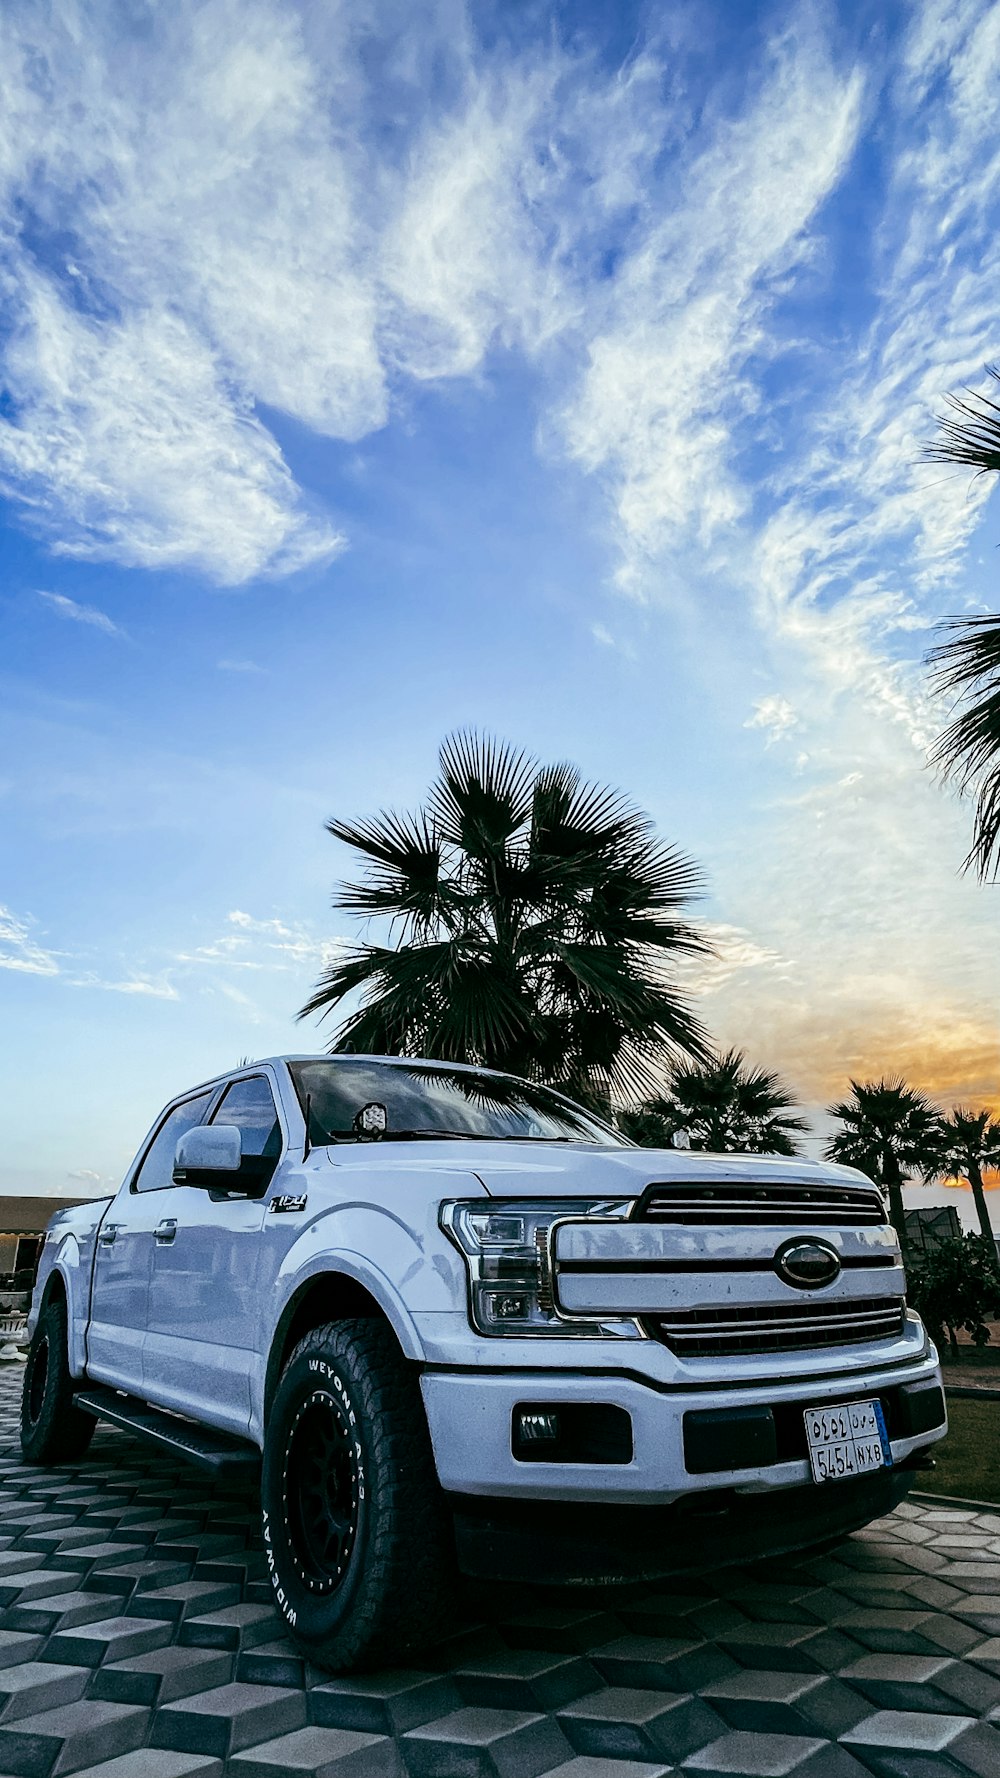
[(502, 1306), (532, 1426)]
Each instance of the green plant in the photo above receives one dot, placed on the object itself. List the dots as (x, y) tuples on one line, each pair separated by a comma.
[(724, 1105), (533, 920), (955, 1285), (890, 1131)]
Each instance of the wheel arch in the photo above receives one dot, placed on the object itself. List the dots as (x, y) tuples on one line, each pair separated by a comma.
[(330, 1295)]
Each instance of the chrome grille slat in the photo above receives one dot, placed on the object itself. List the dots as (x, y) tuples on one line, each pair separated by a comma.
[(801, 1206), (703, 1333)]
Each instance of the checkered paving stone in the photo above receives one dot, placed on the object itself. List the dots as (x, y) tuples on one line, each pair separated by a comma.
[(137, 1640)]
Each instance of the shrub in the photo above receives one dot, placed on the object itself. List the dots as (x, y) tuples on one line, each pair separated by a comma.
[(955, 1285)]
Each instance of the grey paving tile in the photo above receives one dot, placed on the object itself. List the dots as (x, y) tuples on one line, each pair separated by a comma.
[(35, 1583), (742, 1754), (228, 1718), (74, 1736), (272, 1663), (785, 1703), (478, 1743), (321, 1753), (626, 1723), (17, 1645), (107, 1639), (163, 1675), (584, 1766), (188, 1598), (661, 1663), (524, 1679), (386, 1703), (39, 1685), (59, 1612), (151, 1762), (233, 1626)]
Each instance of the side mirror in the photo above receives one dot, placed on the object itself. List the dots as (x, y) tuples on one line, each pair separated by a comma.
[(205, 1155)]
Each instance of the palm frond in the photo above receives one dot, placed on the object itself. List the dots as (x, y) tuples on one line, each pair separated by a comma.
[(483, 795), (967, 664), (969, 433)]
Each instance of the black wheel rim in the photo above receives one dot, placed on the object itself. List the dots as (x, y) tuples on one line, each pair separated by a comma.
[(323, 1492), (37, 1379)]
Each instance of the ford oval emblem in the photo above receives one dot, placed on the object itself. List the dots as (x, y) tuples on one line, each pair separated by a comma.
[(807, 1264)]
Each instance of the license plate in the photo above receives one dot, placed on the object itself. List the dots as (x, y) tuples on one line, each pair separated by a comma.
[(848, 1439)]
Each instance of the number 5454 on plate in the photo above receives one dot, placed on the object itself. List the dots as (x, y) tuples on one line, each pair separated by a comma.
[(847, 1439)]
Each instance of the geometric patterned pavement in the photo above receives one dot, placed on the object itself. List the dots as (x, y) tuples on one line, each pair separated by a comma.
[(137, 1640)]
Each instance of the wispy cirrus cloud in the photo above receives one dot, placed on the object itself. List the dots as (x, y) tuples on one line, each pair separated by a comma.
[(20, 951), (69, 608), (248, 942)]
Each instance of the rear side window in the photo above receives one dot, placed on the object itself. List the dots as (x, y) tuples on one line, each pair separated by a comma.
[(249, 1104), (157, 1168)]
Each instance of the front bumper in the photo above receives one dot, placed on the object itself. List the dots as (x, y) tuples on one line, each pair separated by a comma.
[(470, 1416)]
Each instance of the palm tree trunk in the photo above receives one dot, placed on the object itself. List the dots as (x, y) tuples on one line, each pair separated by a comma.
[(979, 1193), (894, 1180)]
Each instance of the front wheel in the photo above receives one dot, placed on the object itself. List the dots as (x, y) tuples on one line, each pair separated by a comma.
[(356, 1535), (53, 1428)]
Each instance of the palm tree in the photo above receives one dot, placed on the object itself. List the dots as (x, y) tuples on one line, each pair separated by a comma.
[(970, 1142), (724, 1105), (967, 661), (533, 919), (890, 1131)]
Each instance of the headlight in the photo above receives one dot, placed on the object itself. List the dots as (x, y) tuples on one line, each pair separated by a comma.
[(507, 1248)]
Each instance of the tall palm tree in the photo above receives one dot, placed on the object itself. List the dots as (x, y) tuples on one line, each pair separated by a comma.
[(724, 1105), (533, 921), (890, 1131), (970, 1142), (967, 660)]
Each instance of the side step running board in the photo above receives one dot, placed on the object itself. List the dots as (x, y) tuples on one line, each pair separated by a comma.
[(211, 1450)]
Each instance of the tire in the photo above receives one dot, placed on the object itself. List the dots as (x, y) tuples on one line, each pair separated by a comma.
[(53, 1429), (357, 1538)]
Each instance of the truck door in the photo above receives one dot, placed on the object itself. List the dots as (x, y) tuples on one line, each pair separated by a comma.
[(123, 1261), (203, 1312)]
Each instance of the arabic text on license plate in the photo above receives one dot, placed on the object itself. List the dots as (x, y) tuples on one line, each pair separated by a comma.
[(848, 1439)]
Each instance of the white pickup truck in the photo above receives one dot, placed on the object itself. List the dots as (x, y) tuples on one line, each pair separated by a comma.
[(461, 1317)]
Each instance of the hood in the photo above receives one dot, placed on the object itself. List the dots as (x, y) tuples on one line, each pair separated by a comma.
[(543, 1170)]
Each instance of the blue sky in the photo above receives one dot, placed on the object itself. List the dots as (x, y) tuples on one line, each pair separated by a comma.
[(368, 371)]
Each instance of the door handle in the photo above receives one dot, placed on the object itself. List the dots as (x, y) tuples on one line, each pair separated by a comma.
[(108, 1234), (166, 1231)]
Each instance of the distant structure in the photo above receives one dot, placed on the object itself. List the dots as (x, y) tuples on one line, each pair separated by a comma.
[(23, 1222), (932, 1223)]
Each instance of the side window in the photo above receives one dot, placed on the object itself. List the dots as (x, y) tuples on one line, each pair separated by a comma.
[(158, 1166), (249, 1104)]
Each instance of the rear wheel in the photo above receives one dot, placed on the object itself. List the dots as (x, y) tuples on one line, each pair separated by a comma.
[(357, 1538), (53, 1428)]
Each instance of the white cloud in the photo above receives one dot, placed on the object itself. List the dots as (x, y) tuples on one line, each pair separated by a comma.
[(218, 220), (665, 379), (158, 988), (81, 614), (19, 951), (238, 666), (128, 444), (268, 944), (773, 714)]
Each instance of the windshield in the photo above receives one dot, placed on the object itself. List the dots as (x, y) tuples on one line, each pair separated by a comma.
[(429, 1098)]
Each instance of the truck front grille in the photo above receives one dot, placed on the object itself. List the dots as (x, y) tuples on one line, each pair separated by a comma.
[(772, 1327), (798, 1206)]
